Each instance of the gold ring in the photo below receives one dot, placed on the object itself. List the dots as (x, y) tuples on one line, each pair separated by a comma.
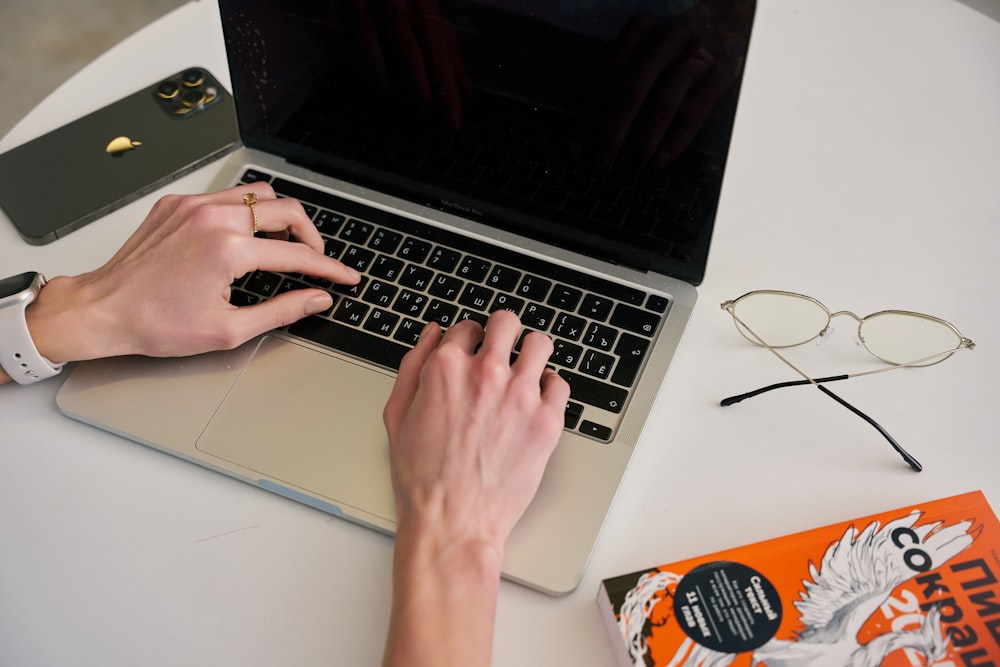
[(250, 199)]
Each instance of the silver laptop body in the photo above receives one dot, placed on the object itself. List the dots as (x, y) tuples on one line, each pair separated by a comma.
[(296, 417)]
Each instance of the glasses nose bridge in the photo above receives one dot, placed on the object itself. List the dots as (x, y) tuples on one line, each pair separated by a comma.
[(856, 318), (853, 316)]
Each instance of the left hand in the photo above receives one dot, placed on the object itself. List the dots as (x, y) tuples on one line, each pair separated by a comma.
[(166, 291)]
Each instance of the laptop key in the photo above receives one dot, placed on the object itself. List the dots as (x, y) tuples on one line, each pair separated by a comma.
[(564, 298), (441, 312), (538, 317), (595, 307), (355, 342), (387, 268), (533, 287), (467, 314), (263, 283), (415, 277), (357, 231), (476, 296), (502, 278), (385, 240), (328, 222), (414, 250), (410, 303), (409, 331), (238, 297), (565, 353), (473, 268), (594, 392), (568, 326), (600, 336), (572, 415), (595, 430), (381, 322), (507, 302), (358, 258), (443, 259), (635, 320), (597, 364), (380, 293), (446, 287), (631, 350), (351, 312), (352, 290)]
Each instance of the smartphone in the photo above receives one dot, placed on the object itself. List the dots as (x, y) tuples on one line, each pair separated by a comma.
[(81, 171)]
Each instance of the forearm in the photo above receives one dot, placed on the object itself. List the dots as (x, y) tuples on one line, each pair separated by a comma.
[(443, 603)]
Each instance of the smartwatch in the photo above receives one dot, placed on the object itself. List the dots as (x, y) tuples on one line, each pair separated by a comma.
[(18, 354)]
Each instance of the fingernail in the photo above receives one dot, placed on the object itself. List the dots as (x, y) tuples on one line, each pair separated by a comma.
[(318, 303)]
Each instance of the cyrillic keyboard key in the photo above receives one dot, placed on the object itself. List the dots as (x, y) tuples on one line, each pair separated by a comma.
[(565, 354), (597, 364), (351, 312)]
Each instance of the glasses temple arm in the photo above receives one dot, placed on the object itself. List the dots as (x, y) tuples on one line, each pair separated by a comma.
[(912, 462), (795, 383)]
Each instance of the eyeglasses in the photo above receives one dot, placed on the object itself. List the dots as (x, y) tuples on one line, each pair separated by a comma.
[(775, 319)]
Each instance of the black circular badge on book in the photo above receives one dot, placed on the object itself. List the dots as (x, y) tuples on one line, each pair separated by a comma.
[(727, 607)]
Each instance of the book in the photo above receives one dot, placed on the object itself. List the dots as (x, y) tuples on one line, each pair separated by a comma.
[(909, 587)]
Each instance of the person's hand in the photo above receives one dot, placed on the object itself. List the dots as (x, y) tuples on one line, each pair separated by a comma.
[(166, 291), (470, 435)]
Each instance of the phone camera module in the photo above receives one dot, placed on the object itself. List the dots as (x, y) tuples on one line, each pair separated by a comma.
[(188, 93)]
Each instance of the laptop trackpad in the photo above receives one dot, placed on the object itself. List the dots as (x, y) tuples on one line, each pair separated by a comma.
[(310, 421)]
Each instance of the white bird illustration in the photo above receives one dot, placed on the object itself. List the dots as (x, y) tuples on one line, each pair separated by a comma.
[(856, 576)]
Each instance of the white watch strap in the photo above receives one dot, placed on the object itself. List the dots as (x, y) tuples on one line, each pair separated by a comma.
[(21, 359)]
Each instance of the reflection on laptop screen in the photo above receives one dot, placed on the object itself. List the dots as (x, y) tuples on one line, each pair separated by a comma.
[(600, 125)]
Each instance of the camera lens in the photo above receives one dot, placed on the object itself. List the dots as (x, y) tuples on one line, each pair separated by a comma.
[(192, 98), (167, 90), (192, 78)]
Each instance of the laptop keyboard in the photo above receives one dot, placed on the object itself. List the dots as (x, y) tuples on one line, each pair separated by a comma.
[(413, 273)]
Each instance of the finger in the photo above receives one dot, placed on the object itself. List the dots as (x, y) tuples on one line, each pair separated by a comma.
[(466, 335), (286, 215), (536, 348), (502, 330), (285, 257), (408, 379), (555, 390), (281, 310)]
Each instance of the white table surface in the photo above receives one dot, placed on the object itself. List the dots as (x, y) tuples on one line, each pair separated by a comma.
[(865, 171)]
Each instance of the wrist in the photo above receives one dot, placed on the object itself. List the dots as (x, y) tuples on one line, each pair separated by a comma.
[(444, 598), (62, 322)]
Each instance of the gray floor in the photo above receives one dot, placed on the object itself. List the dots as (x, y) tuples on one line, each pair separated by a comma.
[(44, 42)]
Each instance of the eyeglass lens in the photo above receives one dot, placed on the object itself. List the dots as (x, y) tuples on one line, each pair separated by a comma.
[(784, 319)]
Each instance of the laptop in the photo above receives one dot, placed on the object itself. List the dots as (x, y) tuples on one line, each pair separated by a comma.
[(563, 160)]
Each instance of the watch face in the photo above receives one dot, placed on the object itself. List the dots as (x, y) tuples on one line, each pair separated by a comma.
[(15, 284)]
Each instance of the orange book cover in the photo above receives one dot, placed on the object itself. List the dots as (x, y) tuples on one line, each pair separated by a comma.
[(912, 587)]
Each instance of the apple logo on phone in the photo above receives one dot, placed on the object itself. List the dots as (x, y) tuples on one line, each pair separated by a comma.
[(121, 145)]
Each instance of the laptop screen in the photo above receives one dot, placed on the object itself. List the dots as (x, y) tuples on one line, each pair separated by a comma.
[(597, 125)]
